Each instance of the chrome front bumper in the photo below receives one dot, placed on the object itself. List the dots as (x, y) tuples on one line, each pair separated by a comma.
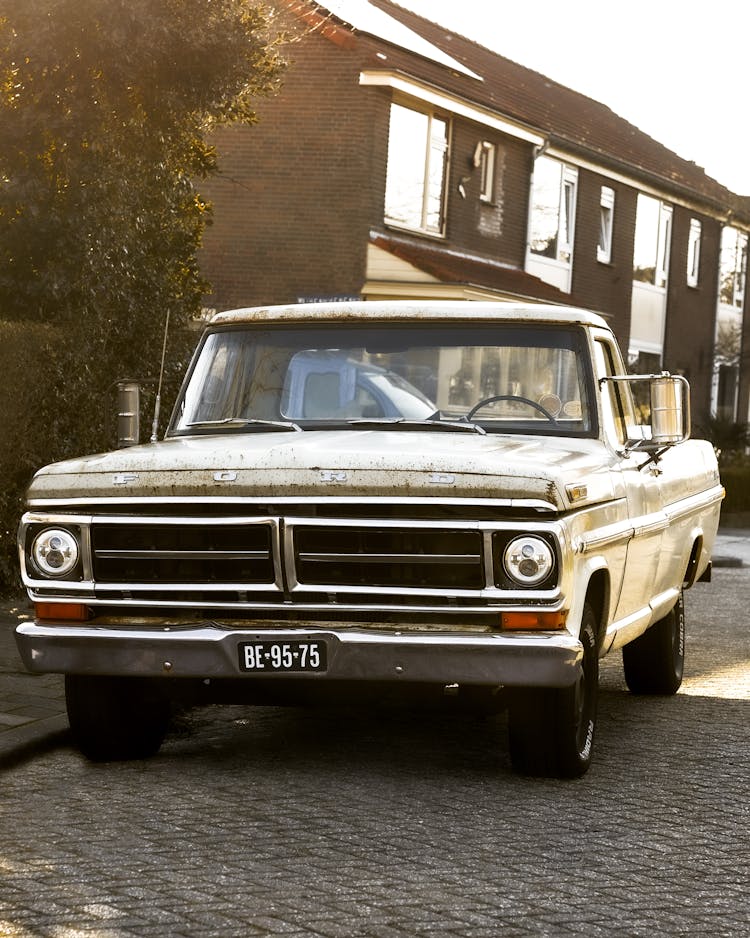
[(542, 660)]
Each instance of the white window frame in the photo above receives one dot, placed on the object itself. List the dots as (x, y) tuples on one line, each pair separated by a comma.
[(739, 270), (568, 197), (559, 191), (662, 245), (429, 157), (566, 212), (485, 160), (695, 234), (606, 224)]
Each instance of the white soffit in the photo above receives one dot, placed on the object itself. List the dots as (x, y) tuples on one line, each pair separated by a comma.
[(442, 99), (368, 19)]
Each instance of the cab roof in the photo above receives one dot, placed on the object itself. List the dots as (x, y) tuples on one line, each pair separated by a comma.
[(443, 311)]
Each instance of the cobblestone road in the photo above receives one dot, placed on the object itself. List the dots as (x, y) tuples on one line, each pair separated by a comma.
[(393, 824)]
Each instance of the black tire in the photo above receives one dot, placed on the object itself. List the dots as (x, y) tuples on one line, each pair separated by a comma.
[(551, 730), (654, 662), (115, 718)]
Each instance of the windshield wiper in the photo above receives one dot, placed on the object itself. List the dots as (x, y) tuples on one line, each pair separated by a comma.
[(243, 423), (404, 423)]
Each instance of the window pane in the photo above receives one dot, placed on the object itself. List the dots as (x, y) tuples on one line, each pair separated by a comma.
[(606, 216), (545, 207), (438, 150), (694, 252), (527, 380), (664, 242), (646, 239), (733, 267), (487, 169), (407, 150), (415, 181), (566, 220)]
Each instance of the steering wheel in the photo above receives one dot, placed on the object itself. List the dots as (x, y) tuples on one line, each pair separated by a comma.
[(510, 397)]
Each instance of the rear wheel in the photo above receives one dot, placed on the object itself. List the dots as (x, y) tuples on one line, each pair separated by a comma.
[(551, 730), (654, 662), (115, 718)]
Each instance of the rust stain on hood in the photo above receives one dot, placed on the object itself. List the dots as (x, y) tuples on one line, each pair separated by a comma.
[(336, 462)]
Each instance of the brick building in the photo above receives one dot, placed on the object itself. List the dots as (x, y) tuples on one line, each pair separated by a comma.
[(401, 160)]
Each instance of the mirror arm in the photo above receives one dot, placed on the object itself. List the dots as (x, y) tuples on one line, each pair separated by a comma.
[(654, 458), (655, 451)]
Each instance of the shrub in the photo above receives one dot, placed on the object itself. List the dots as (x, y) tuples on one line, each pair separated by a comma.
[(736, 480), (106, 108)]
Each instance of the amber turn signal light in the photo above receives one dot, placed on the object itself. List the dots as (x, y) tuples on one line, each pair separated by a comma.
[(72, 612), (534, 621)]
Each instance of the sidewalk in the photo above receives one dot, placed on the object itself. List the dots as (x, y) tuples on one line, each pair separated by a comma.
[(32, 706)]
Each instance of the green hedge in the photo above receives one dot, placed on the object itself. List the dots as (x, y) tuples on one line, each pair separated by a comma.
[(20, 345), (56, 406), (736, 480)]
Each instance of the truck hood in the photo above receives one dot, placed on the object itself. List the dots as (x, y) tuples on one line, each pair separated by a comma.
[(353, 463)]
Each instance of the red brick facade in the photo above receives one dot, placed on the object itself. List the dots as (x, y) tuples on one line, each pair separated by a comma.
[(294, 202), (300, 199)]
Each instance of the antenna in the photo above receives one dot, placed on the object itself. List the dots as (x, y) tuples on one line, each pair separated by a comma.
[(157, 402)]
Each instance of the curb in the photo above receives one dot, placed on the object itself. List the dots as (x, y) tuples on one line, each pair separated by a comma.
[(21, 742)]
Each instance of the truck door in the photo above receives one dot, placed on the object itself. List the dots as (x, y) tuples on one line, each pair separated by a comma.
[(647, 518)]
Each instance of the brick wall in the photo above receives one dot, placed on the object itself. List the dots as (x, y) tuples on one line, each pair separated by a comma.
[(691, 311), (606, 288), (496, 228), (293, 203), (299, 193)]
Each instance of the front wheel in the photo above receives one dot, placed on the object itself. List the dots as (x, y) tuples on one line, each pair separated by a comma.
[(654, 662), (114, 718), (551, 730)]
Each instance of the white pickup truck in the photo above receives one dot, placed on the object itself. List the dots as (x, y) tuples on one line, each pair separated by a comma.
[(458, 496)]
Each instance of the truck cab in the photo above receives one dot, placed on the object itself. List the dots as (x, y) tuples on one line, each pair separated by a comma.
[(468, 497)]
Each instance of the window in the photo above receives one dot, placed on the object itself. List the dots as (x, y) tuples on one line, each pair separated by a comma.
[(484, 160), (519, 378), (553, 209), (728, 385), (694, 253), (653, 236), (618, 410), (733, 267), (606, 218), (415, 181)]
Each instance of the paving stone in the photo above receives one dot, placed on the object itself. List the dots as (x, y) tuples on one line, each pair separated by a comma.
[(295, 823)]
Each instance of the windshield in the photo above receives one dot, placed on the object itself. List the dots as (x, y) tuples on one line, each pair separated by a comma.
[(502, 378)]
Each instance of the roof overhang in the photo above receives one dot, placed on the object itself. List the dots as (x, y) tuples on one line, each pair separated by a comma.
[(404, 268), (429, 94), (401, 290), (555, 147)]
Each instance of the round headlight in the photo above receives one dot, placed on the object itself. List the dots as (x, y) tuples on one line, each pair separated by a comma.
[(55, 552), (528, 560)]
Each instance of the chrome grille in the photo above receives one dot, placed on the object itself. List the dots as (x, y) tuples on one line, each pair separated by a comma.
[(291, 562), (182, 553), (406, 558)]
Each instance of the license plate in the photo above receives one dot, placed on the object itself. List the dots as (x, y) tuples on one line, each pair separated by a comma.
[(283, 657)]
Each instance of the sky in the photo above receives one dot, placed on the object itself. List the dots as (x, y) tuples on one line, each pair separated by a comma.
[(677, 69)]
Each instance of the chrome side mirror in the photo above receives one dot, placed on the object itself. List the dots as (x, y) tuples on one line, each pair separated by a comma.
[(669, 404), (128, 413), (670, 409)]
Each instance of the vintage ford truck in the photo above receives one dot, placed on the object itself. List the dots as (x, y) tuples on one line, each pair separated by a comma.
[(464, 496)]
